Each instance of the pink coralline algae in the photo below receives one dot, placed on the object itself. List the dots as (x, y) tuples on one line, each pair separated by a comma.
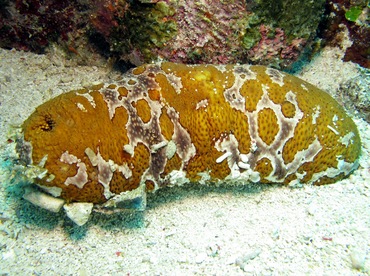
[(207, 32), (276, 48)]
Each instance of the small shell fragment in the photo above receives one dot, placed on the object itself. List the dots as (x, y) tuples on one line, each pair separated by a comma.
[(79, 212), (43, 200)]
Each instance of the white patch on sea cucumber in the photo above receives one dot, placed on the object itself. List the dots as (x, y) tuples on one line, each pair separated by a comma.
[(296, 183), (303, 156), (335, 119), (92, 156), (81, 107), (129, 149), (43, 161), (347, 139), (239, 170), (186, 149), (248, 175), (342, 167), (112, 99), (202, 104), (316, 114), (276, 76), (88, 97), (176, 178), (105, 170), (229, 146), (50, 178), (154, 148), (205, 177), (105, 174), (124, 169), (221, 67), (81, 177), (68, 158), (244, 158), (333, 129), (304, 87), (175, 82), (244, 165), (223, 157)]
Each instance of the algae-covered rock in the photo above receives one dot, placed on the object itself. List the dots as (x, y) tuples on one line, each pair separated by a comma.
[(140, 31), (33, 24), (352, 17), (255, 31)]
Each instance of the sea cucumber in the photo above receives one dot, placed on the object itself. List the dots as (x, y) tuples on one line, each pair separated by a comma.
[(167, 124)]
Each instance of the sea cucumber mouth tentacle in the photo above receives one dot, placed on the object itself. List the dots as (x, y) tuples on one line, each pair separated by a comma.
[(168, 124)]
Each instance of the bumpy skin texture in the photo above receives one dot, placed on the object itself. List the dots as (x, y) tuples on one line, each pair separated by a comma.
[(166, 124)]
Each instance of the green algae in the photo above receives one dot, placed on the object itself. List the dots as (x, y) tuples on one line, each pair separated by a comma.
[(353, 13), (298, 19), (252, 34), (147, 26)]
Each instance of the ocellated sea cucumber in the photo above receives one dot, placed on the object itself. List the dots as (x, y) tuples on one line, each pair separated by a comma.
[(168, 124)]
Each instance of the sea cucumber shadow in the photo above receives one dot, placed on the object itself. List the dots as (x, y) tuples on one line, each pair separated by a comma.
[(178, 193), (127, 220)]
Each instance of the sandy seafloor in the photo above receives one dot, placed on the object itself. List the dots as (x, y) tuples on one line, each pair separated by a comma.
[(190, 230)]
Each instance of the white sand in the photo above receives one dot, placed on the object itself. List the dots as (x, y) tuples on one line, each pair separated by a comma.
[(251, 230)]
